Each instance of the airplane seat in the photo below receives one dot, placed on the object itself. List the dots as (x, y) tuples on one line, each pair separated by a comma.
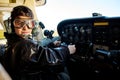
[(4, 74)]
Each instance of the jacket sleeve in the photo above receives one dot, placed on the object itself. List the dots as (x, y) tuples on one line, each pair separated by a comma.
[(25, 54)]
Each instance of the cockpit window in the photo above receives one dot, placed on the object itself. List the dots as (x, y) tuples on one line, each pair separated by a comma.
[(55, 11)]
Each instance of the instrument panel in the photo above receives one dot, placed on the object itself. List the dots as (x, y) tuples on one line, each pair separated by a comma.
[(97, 30), (74, 31)]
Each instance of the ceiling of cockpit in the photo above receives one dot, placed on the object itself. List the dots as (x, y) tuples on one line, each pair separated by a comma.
[(6, 5)]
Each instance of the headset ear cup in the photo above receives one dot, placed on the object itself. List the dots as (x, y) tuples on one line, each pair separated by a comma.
[(7, 24)]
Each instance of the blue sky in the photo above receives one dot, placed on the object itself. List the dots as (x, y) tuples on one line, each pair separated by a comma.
[(55, 11)]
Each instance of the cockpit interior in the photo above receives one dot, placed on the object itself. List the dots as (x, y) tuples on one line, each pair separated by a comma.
[(97, 41)]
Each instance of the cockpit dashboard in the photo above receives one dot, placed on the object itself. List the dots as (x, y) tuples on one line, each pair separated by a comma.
[(97, 41)]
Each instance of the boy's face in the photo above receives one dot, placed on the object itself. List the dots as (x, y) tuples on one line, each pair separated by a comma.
[(23, 26)]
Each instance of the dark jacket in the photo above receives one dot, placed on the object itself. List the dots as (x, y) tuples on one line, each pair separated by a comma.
[(21, 60)]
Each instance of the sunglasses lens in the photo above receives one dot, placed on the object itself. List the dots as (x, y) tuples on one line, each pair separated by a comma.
[(31, 23)]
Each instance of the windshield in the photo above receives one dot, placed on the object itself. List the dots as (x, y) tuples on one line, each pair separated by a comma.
[(55, 11)]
